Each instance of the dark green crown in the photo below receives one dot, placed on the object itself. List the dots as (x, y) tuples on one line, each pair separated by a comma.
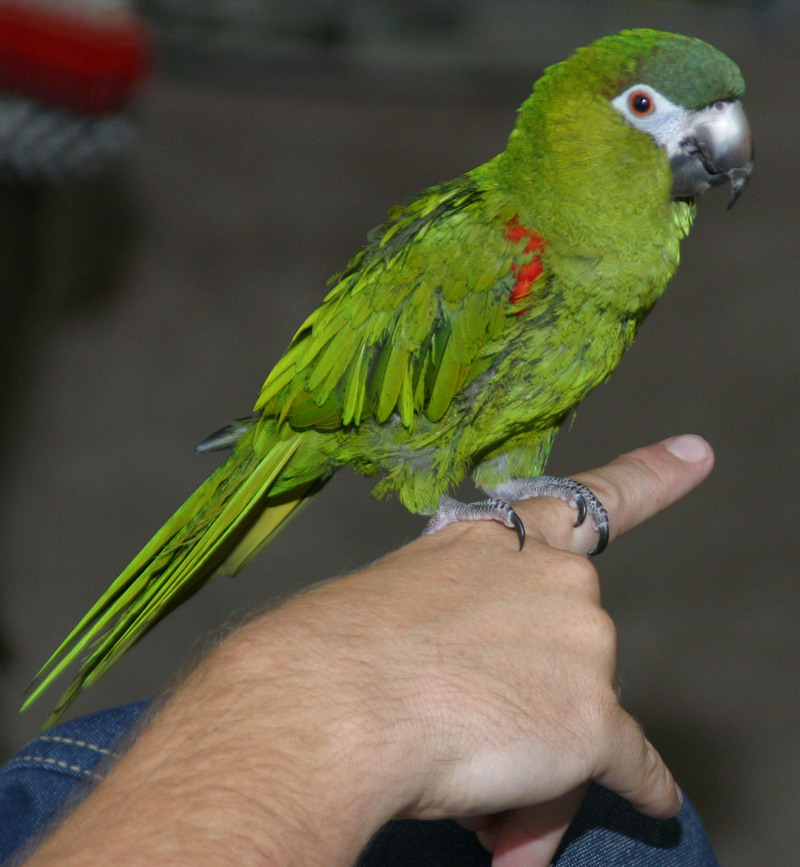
[(688, 71)]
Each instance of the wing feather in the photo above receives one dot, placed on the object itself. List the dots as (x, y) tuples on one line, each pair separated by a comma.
[(415, 316)]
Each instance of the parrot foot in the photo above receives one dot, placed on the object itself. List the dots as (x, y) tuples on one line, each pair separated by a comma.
[(498, 506), (579, 496), (451, 511)]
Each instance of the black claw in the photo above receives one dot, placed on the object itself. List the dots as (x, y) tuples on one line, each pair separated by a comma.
[(602, 541), (580, 505), (519, 527)]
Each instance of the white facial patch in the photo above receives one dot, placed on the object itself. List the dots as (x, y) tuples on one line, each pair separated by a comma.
[(644, 108)]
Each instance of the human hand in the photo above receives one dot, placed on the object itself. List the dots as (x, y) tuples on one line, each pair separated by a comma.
[(456, 677), (491, 693), (517, 685), (635, 487)]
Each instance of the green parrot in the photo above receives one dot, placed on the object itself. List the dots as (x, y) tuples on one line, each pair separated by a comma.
[(460, 337)]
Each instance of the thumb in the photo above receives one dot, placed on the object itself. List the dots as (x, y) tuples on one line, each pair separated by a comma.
[(530, 837), (634, 769)]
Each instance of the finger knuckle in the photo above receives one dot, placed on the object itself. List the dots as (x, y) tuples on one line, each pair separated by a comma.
[(605, 629), (629, 489), (584, 573), (599, 633), (576, 569)]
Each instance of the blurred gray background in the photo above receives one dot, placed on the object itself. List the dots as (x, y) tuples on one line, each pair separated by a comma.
[(143, 309)]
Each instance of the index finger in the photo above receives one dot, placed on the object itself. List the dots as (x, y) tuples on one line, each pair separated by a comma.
[(633, 488)]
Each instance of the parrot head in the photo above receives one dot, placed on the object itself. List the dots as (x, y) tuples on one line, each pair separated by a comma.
[(675, 91), (687, 97)]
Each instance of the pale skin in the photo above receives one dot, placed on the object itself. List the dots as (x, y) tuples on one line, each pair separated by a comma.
[(457, 677)]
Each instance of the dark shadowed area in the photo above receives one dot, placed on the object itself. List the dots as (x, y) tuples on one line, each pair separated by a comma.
[(143, 309)]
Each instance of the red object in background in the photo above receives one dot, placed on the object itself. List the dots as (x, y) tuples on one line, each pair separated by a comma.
[(88, 65)]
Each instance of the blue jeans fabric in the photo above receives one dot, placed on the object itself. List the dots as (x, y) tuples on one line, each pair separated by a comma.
[(607, 832)]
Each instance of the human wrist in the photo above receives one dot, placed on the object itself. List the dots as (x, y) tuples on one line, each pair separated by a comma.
[(307, 735), (267, 752), (303, 744), (322, 687)]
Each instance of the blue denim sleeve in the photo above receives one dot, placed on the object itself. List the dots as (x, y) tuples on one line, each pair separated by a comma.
[(41, 777), (606, 832)]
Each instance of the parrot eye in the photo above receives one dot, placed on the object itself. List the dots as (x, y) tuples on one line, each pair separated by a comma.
[(641, 103)]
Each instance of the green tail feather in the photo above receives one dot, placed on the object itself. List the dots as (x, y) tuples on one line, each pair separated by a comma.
[(220, 527)]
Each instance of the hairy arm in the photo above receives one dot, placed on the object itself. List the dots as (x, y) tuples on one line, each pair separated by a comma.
[(456, 677)]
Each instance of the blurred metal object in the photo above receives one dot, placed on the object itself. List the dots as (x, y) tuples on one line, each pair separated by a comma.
[(68, 72)]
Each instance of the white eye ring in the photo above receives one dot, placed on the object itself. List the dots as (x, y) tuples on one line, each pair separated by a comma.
[(646, 108), (640, 102)]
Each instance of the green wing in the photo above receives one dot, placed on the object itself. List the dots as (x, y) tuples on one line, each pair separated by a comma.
[(415, 316)]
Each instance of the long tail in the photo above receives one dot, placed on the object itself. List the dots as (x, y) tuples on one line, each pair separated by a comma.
[(228, 519)]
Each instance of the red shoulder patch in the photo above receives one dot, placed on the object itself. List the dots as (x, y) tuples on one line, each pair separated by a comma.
[(526, 272)]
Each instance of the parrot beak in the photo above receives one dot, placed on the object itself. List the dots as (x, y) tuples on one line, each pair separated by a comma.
[(718, 148)]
